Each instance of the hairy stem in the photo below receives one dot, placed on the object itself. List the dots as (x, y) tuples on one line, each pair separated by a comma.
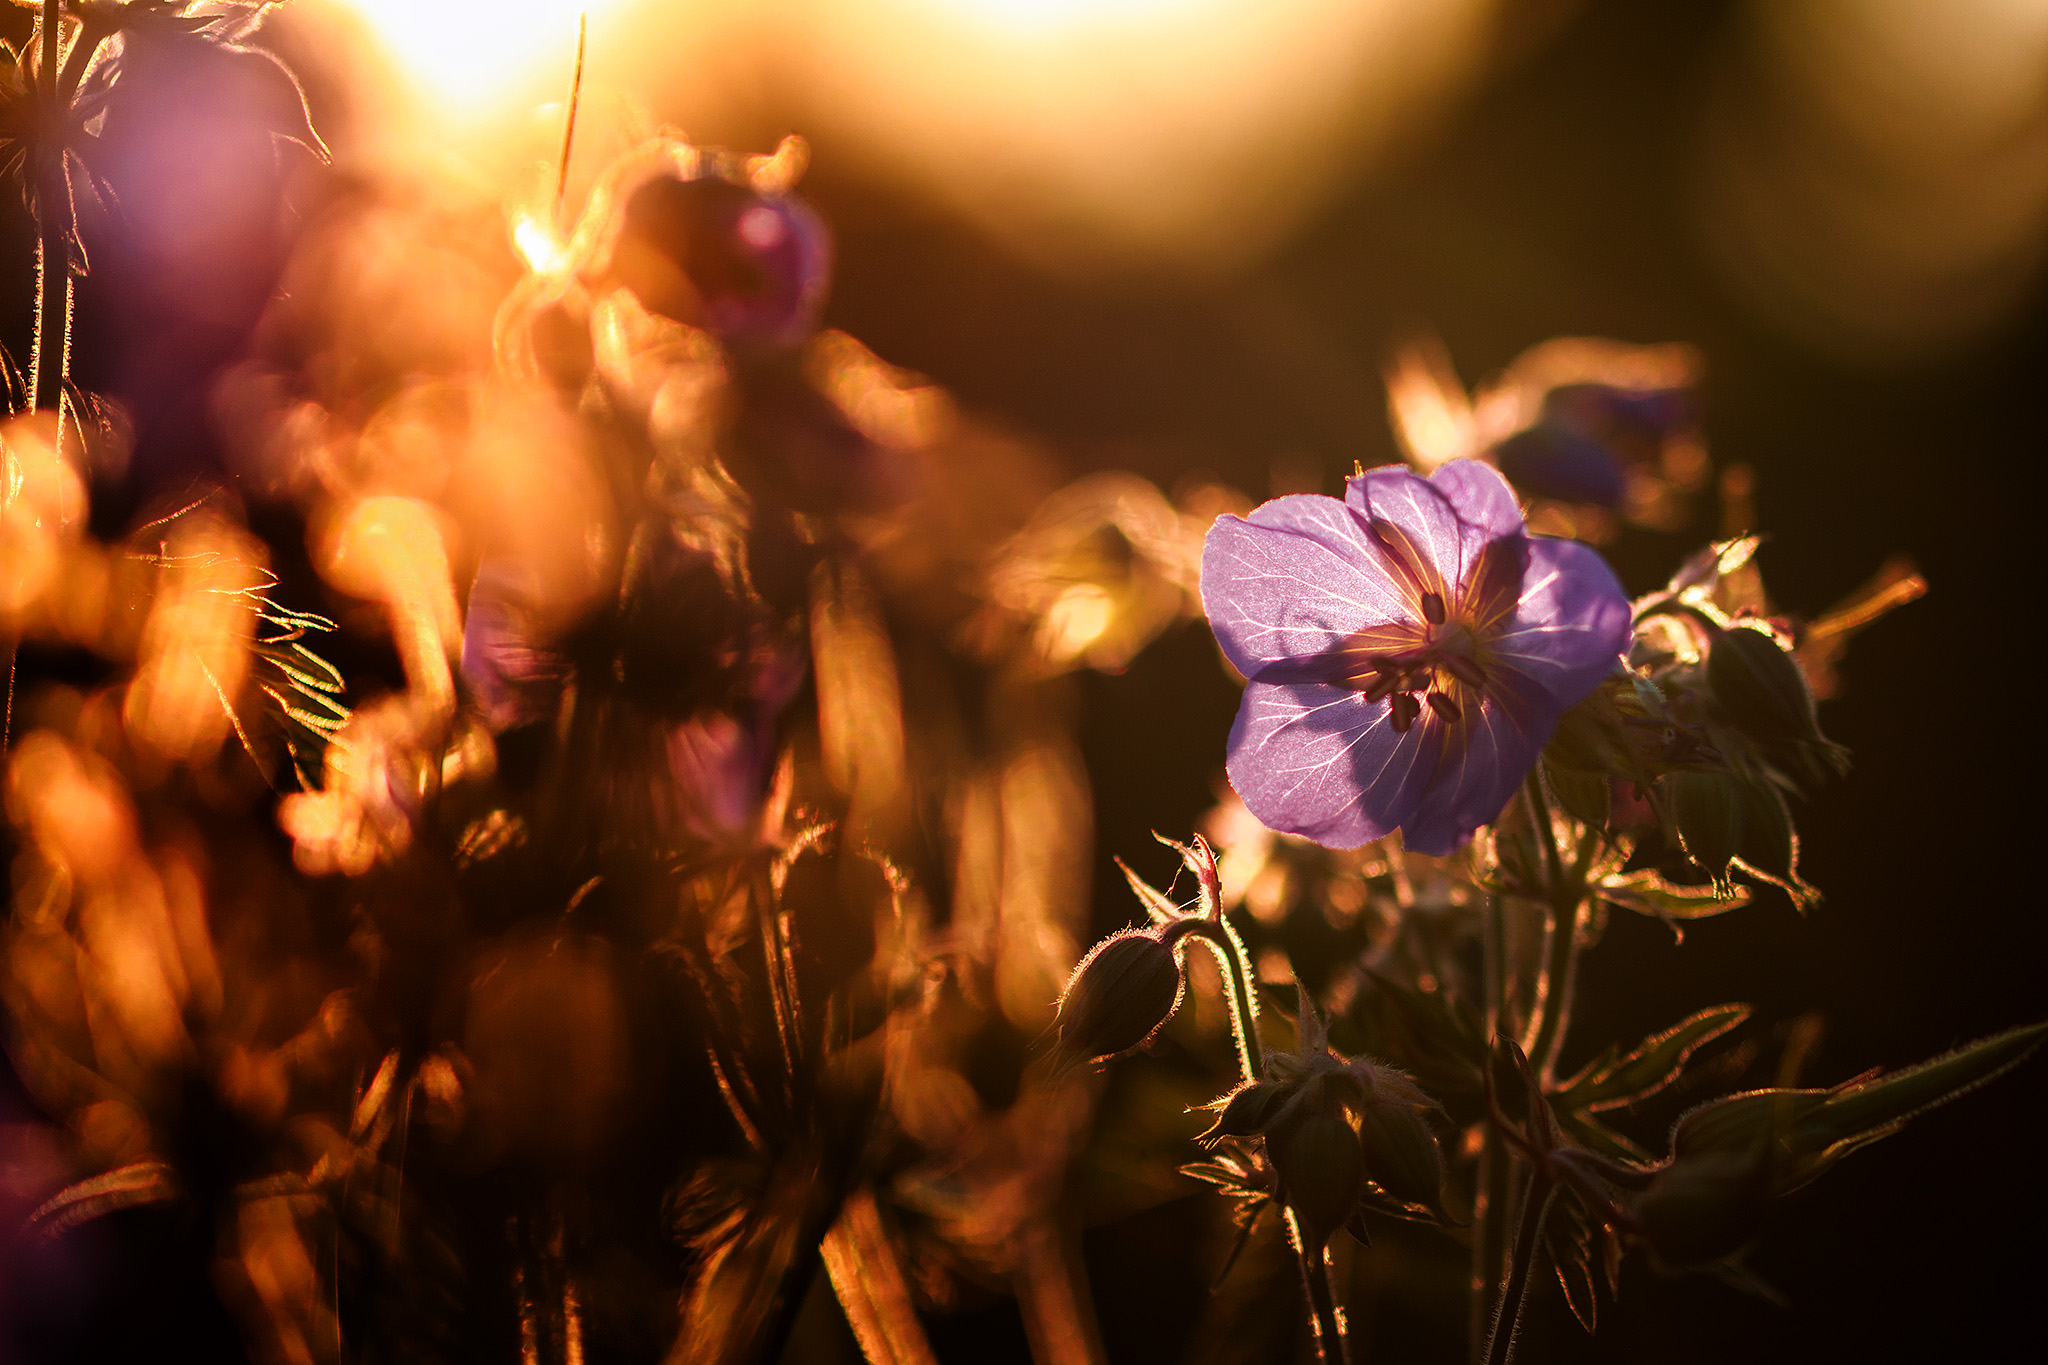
[(1514, 1294), (1237, 973), (1324, 1315)]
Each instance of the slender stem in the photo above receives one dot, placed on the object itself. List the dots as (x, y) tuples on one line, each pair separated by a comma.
[(1490, 1189), (1324, 1315), (1539, 816), (569, 124), (1514, 1294), (1560, 978), (1237, 972), (51, 354)]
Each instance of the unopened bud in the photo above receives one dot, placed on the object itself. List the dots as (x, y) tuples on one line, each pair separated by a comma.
[(1123, 991), (1401, 1154), (1707, 808), (1704, 1208), (1758, 687), (1321, 1169), (1247, 1111), (1550, 461)]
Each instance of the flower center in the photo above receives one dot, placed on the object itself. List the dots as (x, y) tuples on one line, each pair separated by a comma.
[(1436, 659)]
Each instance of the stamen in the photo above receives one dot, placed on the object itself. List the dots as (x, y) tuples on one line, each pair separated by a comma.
[(1442, 704), (1433, 608), (1403, 709), (1380, 686), (1464, 669)]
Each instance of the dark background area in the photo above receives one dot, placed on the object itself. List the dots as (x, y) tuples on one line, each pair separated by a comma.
[(1552, 203)]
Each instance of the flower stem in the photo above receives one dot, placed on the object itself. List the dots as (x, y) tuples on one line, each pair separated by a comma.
[(1324, 1315), (1223, 941), (1491, 1189), (1514, 1294), (1567, 894)]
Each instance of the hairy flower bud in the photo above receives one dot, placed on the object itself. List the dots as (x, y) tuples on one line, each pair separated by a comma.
[(1321, 1168), (1706, 1207), (1123, 991), (1247, 1111), (1756, 684), (1401, 1154)]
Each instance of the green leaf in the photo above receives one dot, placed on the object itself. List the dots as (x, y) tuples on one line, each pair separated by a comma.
[(1610, 1081), (1568, 1240), (1647, 893), (1860, 1112)]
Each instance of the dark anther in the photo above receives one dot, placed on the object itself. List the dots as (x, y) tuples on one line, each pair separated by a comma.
[(1404, 709), (1444, 706), (1433, 608), (1463, 669), (1380, 686)]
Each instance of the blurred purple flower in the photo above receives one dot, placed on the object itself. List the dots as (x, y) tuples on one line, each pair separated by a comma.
[(1409, 651)]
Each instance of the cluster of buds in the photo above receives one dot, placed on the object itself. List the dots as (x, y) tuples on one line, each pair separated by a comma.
[(1336, 1130)]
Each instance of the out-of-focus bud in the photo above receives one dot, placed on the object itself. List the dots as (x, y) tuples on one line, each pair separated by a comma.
[(1401, 1154), (748, 262), (1758, 687), (1122, 993), (1550, 461), (1321, 1167), (1703, 1208)]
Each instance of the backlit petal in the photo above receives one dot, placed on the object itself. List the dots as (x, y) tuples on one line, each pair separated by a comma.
[(1483, 759), (1293, 582), (1322, 762), (1570, 625)]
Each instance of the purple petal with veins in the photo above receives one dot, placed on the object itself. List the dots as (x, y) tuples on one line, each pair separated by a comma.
[(1409, 651), (1294, 581), (1301, 754)]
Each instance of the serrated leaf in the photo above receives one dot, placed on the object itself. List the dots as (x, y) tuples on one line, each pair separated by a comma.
[(1648, 893), (1568, 1238), (1610, 1081)]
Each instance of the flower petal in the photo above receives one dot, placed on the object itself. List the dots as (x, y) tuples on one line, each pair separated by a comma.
[(1570, 625), (1480, 496), (1426, 524), (1322, 762), (1485, 755), (1293, 582)]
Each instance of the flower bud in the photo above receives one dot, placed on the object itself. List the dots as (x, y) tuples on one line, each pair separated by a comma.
[(1550, 461), (1704, 1208), (1757, 686), (1321, 1169), (1707, 808), (1123, 991), (1247, 1110), (1401, 1154)]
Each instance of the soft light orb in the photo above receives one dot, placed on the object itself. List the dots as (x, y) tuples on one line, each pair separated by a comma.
[(468, 52)]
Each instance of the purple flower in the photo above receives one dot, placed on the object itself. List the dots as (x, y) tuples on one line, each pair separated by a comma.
[(1409, 651)]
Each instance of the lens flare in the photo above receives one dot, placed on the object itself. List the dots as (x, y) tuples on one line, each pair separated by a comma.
[(469, 52)]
